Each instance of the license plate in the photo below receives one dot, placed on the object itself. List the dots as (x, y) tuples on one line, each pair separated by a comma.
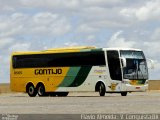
[(138, 87)]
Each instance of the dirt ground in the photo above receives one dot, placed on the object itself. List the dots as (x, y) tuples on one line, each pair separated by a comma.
[(81, 103)]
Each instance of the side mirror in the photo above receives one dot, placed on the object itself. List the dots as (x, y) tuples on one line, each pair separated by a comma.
[(150, 63), (123, 61)]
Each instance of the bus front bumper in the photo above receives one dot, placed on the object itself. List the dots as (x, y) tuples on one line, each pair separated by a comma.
[(136, 88)]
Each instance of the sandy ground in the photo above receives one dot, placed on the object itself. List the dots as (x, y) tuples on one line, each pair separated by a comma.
[(81, 103)]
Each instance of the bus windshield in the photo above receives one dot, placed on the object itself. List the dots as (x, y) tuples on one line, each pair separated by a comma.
[(136, 67)]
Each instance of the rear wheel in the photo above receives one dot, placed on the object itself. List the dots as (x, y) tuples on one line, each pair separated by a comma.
[(32, 92), (123, 93), (41, 90), (102, 89)]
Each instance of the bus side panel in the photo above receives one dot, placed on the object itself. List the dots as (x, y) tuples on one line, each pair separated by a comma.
[(48, 76), (17, 85), (71, 78), (95, 74)]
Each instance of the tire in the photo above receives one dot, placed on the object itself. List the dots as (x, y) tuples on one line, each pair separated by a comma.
[(31, 90), (123, 93), (62, 94), (41, 90), (102, 89)]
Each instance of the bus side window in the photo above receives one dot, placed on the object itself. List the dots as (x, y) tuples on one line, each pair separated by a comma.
[(114, 65), (14, 61)]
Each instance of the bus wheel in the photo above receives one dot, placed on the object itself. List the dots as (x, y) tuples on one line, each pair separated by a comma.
[(123, 93), (41, 90), (62, 94), (32, 92), (102, 89)]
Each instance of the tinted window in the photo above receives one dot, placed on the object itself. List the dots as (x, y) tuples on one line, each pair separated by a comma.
[(59, 59)]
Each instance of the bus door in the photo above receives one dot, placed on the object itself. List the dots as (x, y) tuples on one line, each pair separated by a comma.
[(114, 70)]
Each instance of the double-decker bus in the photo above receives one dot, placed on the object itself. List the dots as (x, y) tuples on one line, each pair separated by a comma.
[(85, 69)]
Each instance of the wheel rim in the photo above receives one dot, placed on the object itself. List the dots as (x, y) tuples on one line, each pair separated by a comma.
[(31, 90), (41, 90), (100, 89)]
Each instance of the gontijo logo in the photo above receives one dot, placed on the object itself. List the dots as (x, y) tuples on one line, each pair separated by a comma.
[(99, 71), (47, 71)]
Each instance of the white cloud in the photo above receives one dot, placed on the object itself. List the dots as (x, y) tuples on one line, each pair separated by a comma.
[(44, 23), (56, 4), (70, 44), (12, 25), (20, 47), (7, 8), (152, 44), (86, 28), (44, 18), (117, 41), (151, 10), (156, 35), (91, 38), (5, 42), (128, 12), (148, 11), (48, 24)]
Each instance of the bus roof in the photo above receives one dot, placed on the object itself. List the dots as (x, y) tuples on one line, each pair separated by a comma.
[(59, 50), (72, 49), (122, 49)]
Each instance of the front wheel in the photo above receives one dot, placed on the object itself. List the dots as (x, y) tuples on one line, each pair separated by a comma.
[(102, 89), (32, 92), (123, 93)]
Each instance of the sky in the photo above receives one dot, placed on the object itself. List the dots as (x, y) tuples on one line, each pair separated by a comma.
[(34, 25)]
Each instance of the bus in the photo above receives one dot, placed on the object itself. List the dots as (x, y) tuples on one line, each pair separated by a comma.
[(79, 69)]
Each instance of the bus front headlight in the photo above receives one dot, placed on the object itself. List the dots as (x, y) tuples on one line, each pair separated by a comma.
[(126, 81), (146, 82)]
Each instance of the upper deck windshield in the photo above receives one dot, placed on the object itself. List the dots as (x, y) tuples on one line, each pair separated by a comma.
[(136, 67)]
